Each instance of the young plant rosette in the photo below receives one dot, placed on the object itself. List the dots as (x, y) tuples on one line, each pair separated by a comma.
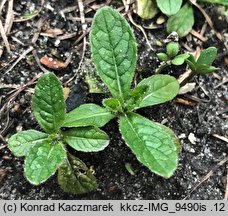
[(114, 53), (46, 152)]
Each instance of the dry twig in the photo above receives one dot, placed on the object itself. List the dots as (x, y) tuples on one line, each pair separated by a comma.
[(19, 59), (9, 17), (84, 30), (209, 174), (128, 12), (38, 62), (198, 35), (4, 37), (225, 139), (223, 82), (208, 19)]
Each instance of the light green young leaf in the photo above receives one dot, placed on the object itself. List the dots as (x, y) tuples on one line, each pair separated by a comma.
[(88, 115), (30, 15), (180, 59), (21, 142), (182, 21), (138, 92), (161, 88), (204, 69), (74, 177), (169, 7), (135, 97), (191, 62), (114, 51), (112, 104), (162, 56), (86, 139), (43, 160), (154, 145), (48, 103), (207, 56), (146, 9), (172, 49), (222, 2)]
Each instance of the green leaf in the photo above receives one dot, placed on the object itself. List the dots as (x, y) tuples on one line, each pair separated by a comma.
[(48, 103), (138, 92), (207, 56), (88, 115), (114, 50), (135, 97), (74, 177), (169, 7), (161, 88), (180, 59), (182, 21), (30, 15), (112, 104), (86, 139), (154, 145), (172, 49), (146, 9), (222, 2), (162, 56), (191, 62), (43, 160), (21, 142), (204, 69)]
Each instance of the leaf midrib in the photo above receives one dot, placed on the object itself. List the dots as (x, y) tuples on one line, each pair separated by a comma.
[(152, 93), (87, 117), (83, 138), (113, 57), (142, 141)]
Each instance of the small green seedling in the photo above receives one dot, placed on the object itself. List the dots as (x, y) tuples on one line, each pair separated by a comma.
[(114, 53), (46, 152), (180, 13), (169, 7), (203, 65), (171, 56)]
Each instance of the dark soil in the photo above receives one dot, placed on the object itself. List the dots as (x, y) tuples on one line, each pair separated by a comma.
[(207, 117)]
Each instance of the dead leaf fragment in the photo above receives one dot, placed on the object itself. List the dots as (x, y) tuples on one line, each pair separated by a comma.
[(2, 174), (185, 102), (187, 88), (52, 33), (66, 92), (52, 63)]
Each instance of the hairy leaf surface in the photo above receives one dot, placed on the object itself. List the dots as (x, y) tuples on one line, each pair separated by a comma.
[(86, 139), (205, 69), (112, 104), (43, 160), (48, 103), (21, 142), (88, 115), (169, 7), (113, 47), (207, 56), (161, 88), (182, 21), (154, 145), (180, 59), (74, 177)]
